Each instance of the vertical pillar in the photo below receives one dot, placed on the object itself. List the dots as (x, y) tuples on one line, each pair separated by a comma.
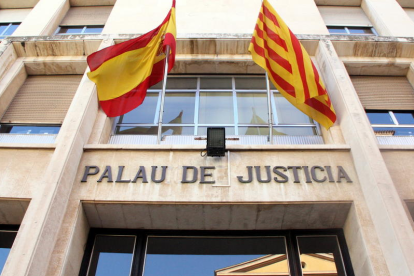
[(44, 18), (36, 239), (388, 17), (394, 230), (7, 57), (302, 16), (410, 74)]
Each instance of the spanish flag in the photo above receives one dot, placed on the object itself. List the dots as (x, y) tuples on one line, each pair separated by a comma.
[(277, 50), (123, 72)]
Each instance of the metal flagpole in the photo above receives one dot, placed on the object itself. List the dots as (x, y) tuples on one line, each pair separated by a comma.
[(164, 84), (269, 108)]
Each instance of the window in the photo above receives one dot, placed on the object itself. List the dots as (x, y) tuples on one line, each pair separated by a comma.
[(29, 129), (346, 20), (10, 20), (194, 103), (84, 20), (68, 30), (392, 123), (351, 30), (38, 109), (7, 236), (388, 102), (7, 29), (220, 253)]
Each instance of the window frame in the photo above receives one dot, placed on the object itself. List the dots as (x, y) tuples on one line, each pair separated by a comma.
[(347, 27), (82, 32), (28, 125), (235, 125), (8, 228), (394, 119), (291, 237), (2, 36)]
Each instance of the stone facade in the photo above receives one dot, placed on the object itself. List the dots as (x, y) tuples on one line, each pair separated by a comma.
[(41, 186)]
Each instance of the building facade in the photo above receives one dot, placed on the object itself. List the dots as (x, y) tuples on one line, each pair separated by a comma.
[(84, 194)]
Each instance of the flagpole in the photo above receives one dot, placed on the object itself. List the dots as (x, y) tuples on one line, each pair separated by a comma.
[(269, 108), (164, 84)]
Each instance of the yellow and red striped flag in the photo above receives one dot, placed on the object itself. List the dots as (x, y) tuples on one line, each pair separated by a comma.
[(277, 50), (123, 72)]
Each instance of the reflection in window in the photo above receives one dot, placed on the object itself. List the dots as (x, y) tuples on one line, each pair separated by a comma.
[(250, 106), (192, 104), (288, 115), (67, 30), (29, 129), (404, 118), (112, 255), (226, 253), (294, 131), (392, 123), (7, 29), (6, 242), (206, 256), (176, 109), (145, 114), (351, 30), (320, 256), (216, 108)]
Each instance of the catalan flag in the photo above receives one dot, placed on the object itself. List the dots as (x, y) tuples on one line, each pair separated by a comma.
[(123, 72), (277, 50)]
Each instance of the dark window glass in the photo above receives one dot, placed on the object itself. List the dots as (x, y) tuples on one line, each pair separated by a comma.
[(320, 256), (144, 114), (70, 30), (181, 83), (6, 242), (250, 83), (206, 256), (215, 83), (380, 118), (360, 30), (29, 129), (112, 255), (404, 118), (189, 253), (337, 30)]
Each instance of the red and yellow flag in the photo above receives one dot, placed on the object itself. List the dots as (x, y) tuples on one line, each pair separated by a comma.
[(277, 50), (123, 72)]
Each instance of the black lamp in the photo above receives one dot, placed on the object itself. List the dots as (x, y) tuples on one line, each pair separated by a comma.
[(216, 141)]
